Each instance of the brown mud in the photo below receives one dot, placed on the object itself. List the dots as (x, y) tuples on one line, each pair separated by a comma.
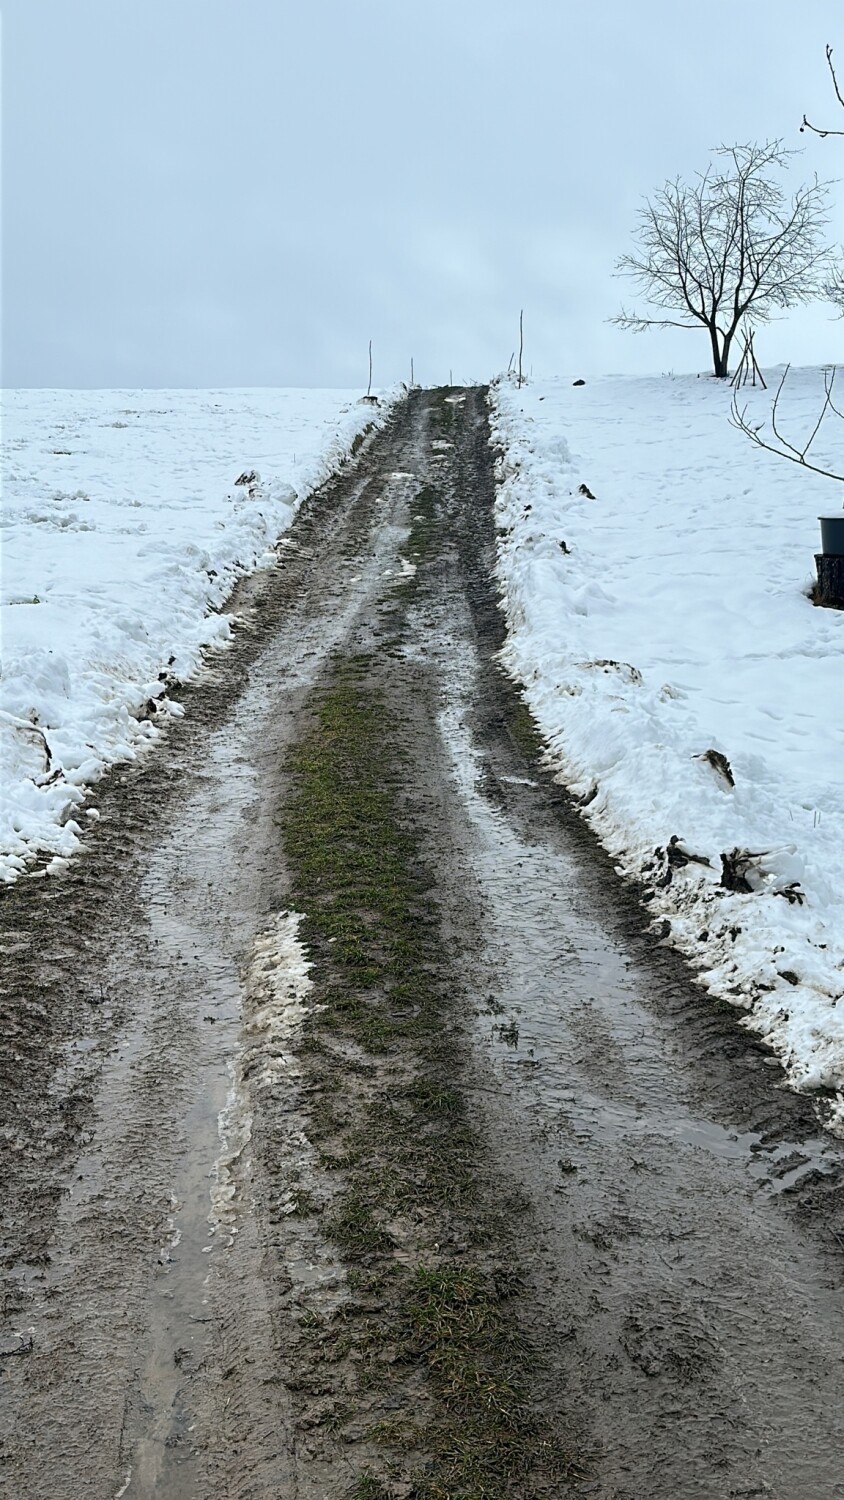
[(358, 1140)]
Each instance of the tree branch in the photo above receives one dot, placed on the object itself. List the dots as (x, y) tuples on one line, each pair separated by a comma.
[(783, 448), (807, 125), (635, 323)]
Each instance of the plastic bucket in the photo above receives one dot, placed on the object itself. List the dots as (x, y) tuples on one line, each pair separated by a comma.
[(832, 535)]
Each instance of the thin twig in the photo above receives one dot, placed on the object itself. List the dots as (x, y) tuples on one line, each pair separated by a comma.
[(24, 1347)]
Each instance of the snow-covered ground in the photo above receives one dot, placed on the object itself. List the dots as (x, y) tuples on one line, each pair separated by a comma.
[(668, 617), (124, 528)]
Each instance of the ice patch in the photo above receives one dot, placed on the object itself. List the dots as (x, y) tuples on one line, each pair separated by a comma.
[(279, 979), (275, 1005)]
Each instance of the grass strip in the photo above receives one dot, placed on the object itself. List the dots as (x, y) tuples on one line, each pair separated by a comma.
[(383, 1056)]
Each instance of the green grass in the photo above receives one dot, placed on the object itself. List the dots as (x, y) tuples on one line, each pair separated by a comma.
[(424, 540), (395, 1121), (368, 1488), (489, 1441)]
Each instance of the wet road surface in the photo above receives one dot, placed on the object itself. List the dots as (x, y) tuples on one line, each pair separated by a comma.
[(683, 1227)]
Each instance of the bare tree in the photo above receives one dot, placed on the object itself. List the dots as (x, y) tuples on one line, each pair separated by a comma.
[(731, 246)]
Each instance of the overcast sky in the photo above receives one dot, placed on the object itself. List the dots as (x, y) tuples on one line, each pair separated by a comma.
[(244, 192)]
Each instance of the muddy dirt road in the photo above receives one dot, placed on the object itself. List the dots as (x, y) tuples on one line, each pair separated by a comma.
[(358, 1141)]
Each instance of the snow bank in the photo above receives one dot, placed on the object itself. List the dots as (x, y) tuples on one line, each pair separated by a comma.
[(666, 618), (124, 530)]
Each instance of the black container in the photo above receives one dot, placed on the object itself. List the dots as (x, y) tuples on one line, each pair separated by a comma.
[(832, 535)]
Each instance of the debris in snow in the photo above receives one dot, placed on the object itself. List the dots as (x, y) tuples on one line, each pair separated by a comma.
[(623, 668), (672, 856), (741, 870), (29, 727), (719, 763), (734, 868), (678, 855), (583, 489), (55, 775)]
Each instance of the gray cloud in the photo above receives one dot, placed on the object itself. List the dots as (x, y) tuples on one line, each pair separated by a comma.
[(204, 193)]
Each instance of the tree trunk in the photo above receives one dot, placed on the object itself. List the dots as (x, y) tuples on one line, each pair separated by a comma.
[(719, 358), (830, 586), (725, 351)]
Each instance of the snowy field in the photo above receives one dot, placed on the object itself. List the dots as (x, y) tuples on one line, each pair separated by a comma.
[(669, 617), (124, 530)]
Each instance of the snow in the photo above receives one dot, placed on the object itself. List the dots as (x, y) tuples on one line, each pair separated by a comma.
[(278, 983), (124, 529), (667, 617)]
